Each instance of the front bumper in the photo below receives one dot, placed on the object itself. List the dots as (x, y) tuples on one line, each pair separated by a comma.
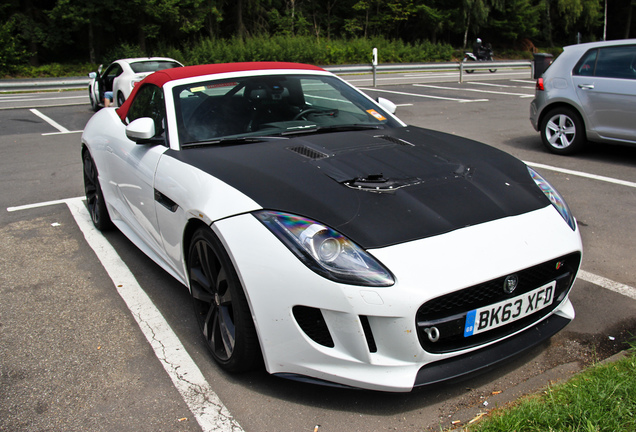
[(280, 289), (492, 355)]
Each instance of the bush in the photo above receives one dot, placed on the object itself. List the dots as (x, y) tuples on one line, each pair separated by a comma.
[(307, 49)]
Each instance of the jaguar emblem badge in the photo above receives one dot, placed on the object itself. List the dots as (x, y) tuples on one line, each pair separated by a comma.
[(510, 283)]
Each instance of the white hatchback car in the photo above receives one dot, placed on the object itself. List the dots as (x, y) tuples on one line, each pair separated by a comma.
[(121, 76)]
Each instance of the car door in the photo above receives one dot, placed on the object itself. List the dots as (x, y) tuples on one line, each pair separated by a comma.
[(134, 168), (608, 96), (106, 79)]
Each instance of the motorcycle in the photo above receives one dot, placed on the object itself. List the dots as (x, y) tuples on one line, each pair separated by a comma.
[(485, 54)]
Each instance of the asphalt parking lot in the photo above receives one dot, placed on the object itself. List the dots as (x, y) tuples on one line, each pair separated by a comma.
[(74, 356)]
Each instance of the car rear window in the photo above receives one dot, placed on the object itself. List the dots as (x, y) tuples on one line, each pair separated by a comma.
[(152, 66)]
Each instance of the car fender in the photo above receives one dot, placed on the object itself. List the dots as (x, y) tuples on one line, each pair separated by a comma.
[(213, 200), (562, 102)]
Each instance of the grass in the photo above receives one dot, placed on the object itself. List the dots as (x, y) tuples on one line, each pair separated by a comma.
[(602, 398)]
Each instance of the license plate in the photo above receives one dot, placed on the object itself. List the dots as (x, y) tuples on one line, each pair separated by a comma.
[(507, 311)]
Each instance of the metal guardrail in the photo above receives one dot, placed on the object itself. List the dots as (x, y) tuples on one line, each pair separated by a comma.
[(7, 85), (43, 84), (460, 67)]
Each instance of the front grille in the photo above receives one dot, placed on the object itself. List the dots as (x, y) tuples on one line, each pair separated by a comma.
[(448, 313)]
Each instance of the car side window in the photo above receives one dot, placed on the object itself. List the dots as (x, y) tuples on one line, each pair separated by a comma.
[(617, 62), (114, 71), (587, 64), (149, 103)]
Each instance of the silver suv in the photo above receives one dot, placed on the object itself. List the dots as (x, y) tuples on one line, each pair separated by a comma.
[(587, 93)]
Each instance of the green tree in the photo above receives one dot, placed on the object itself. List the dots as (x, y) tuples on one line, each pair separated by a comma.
[(12, 53), (515, 20)]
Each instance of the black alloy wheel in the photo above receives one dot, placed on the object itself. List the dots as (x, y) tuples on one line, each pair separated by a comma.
[(94, 196), (220, 304)]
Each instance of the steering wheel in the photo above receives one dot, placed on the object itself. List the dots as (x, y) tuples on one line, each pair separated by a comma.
[(303, 113)]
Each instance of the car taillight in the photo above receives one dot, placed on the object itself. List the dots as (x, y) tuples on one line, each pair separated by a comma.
[(539, 85)]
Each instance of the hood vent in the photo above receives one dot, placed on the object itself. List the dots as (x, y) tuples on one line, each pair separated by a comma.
[(378, 183), (309, 152), (395, 140)]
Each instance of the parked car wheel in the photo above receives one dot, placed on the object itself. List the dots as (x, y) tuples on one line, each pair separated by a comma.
[(562, 131), (220, 305), (120, 99), (94, 196), (94, 104)]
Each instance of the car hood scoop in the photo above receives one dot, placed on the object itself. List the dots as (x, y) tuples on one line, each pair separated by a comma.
[(379, 184), (378, 189)]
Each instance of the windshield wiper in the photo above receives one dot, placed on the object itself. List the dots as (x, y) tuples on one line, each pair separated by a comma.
[(333, 128), (232, 140)]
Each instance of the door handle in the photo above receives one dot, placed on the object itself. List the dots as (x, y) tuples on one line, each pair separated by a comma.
[(586, 86)]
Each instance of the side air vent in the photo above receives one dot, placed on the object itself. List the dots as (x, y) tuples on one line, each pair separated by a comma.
[(368, 334), (395, 140), (313, 324), (309, 152)]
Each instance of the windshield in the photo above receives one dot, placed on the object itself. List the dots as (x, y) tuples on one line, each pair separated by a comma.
[(272, 105), (152, 66)]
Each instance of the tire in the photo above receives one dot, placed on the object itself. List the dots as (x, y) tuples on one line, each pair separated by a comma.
[(563, 131), (94, 104), (467, 70), (120, 99), (220, 305), (94, 196)]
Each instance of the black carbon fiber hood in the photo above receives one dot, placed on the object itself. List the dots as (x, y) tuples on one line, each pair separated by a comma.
[(378, 187)]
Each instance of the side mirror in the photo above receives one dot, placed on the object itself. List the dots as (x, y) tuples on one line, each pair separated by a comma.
[(92, 75), (387, 105), (141, 130)]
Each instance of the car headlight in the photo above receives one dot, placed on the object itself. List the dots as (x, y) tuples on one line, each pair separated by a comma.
[(555, 198), (325, 251)]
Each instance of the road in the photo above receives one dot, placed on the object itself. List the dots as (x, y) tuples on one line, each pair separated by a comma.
[(74, 357)]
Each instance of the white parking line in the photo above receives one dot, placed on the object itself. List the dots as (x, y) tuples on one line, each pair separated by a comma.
[(408, 77), (204, 403), (611, 285), (522, 95), (50, 121), (206, 406), (425, 96), (582, 174), (56, 125), (498, 85)]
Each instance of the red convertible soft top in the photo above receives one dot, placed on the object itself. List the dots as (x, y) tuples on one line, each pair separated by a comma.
[(159, 78)]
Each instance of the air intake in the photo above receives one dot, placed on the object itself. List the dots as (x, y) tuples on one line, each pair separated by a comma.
[(309, 152)]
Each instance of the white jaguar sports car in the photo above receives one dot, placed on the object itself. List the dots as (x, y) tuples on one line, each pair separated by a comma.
[(322, 237)]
